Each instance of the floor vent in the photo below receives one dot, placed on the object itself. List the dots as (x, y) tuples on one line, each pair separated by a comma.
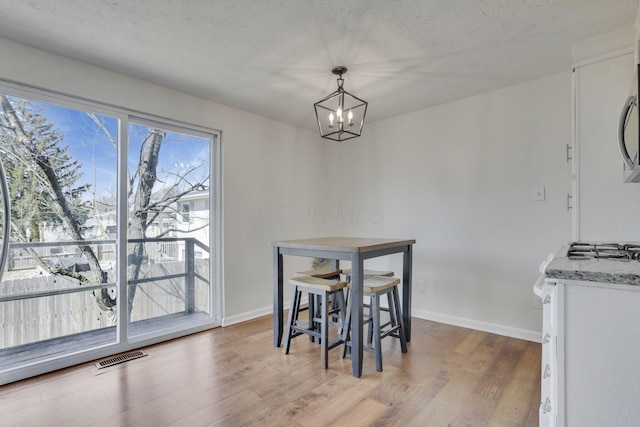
[(121, 358)]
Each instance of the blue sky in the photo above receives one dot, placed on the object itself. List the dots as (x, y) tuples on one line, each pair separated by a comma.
[(97, 155)]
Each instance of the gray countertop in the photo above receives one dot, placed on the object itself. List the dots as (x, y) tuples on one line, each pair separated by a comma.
[(595, 270)]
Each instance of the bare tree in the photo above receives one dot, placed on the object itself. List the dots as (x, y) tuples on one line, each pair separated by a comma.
[(44, 160), (139, 219), (53, 167)]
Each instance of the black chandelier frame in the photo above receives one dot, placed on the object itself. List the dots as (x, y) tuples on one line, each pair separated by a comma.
[(335, 107)]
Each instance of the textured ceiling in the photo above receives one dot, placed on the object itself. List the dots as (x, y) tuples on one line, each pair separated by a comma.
[(273, 57)]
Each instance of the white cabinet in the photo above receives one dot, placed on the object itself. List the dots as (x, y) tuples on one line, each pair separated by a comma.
[(605, 208), (592, 356)]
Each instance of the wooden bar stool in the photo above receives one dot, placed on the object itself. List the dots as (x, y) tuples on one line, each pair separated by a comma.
[(314, 303), (324, 288), (375, 287)]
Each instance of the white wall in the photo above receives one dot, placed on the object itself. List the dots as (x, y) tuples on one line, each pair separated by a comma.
[(459, 179)]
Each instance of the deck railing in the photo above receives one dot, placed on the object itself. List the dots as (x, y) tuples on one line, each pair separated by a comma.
[(168, 261)]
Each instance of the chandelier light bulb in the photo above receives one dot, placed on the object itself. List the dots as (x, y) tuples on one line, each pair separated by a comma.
[(331, 119)]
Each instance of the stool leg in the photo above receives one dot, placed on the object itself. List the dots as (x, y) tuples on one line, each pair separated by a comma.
[(375, 312), (346, 295), (398, 316), (346, 331), (339, 300), (370, 322), (311, 303), (324, 331), (393, 318), (293, 317), (318, 314)]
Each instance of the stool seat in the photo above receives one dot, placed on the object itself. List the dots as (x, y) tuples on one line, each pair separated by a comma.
[(324, 272), (328, 285), (369, 273), (377, 284)]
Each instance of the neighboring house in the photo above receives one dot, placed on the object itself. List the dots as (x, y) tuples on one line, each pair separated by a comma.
[(188, 219), (193, 221)]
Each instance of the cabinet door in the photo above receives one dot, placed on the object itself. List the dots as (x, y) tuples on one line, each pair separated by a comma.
[(602, 344), (607, 208)]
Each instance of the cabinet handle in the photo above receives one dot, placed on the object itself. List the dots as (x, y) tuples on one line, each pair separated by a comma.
[(547, 300), (546, 339), (547, 372), (622, 124), (569, 197), (569, 158), (546, 406)]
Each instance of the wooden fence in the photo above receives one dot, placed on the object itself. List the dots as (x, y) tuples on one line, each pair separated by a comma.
[(30, 320)]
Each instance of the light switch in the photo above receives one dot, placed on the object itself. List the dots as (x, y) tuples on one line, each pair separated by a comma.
[(538, 193)]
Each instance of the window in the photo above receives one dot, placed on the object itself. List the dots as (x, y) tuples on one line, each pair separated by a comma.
[(186, 208), (115, 265)]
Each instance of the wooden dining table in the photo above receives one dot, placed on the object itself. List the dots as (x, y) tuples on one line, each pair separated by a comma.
[(356, 250)]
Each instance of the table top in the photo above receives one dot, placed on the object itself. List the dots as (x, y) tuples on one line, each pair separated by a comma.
[(344, 244)]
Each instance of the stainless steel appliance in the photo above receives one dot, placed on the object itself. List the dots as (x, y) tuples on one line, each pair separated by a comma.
[(628, 134), (610, 251)]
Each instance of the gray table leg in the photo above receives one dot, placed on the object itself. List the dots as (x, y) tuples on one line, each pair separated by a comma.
[(406, 292), (357, 267), (278, 309)]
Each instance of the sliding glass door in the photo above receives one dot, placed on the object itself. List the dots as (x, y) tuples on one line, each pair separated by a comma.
[(113, 231), (169, 227)]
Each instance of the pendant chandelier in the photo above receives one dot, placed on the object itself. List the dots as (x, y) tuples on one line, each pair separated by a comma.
[(340, 115)]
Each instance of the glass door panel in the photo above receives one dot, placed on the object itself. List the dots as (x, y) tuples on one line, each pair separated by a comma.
[(168, 247), (59, 280)]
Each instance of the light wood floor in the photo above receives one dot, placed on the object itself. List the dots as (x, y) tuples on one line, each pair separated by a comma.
[(234, 376)]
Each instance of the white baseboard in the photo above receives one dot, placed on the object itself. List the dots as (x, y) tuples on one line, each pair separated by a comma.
[(243, 317), (250, 315), (493, 328)]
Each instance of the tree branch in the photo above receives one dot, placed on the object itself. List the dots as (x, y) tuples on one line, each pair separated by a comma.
[(178, 230)]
